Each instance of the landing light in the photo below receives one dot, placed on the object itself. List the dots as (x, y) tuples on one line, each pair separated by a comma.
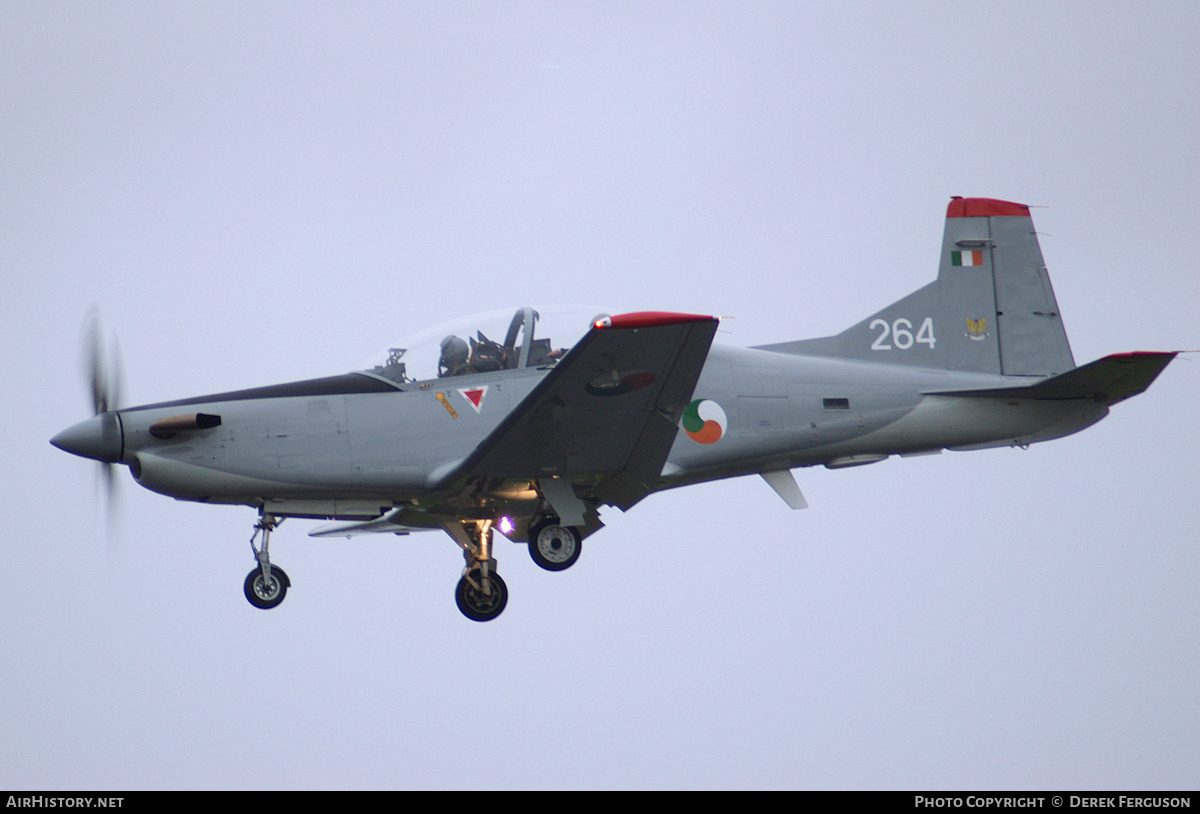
[(506, 525)]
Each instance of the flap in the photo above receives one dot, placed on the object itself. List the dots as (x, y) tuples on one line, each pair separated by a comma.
[(387, 523)]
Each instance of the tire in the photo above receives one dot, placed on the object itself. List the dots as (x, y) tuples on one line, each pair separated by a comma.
[(262, 595), (555, 547), (477, 606)]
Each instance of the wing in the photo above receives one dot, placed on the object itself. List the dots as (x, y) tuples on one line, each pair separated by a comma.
[(605, 417)]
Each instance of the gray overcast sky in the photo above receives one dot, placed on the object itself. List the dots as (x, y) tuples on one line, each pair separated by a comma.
[(256, 193)]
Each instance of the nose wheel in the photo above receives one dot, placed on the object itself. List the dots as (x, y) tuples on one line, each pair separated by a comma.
[(269, 592), (480, 598)]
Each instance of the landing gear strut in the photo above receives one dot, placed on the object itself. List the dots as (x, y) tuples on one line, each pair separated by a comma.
[(481, 595), (267, 584)]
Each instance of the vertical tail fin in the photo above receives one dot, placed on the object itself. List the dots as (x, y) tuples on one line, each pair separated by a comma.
[(991, 310), (996, 293)]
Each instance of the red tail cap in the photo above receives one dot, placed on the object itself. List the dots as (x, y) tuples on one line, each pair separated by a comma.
[(984, 208)]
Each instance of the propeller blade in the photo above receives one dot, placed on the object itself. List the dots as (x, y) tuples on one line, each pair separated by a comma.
[(111, 486), (104, 377), (104, 373)]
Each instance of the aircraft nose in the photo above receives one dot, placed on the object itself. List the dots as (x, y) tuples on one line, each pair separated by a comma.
[(98, 438)]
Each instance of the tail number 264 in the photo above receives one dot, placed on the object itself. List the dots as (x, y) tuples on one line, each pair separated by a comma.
[(901, 335)]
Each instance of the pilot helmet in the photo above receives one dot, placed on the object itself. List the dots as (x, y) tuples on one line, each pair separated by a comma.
[(454, 353)]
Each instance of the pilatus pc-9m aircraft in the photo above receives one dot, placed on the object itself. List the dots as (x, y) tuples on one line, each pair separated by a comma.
[(528, 426)]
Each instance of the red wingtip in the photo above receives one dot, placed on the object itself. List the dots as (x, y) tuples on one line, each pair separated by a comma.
[(645, 319), (984, 208)]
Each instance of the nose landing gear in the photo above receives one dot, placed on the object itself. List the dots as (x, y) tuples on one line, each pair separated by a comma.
[(267, 584), (481, 595)]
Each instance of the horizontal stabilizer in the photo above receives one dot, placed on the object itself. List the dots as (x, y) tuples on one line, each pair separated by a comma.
[(1106, 381)]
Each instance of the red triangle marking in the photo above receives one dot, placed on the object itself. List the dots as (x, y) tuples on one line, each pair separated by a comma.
[(474, 396)]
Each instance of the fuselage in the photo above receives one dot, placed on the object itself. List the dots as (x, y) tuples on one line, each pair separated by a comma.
[(354, 446)]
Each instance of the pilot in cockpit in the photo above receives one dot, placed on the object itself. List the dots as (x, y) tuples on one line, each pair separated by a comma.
[(479, 354)]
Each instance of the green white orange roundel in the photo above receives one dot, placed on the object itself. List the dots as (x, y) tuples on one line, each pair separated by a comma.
[(704, 421)]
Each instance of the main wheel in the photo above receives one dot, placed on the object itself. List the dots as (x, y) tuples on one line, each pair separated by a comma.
[(266, 594), (475, 604), (554, 547)]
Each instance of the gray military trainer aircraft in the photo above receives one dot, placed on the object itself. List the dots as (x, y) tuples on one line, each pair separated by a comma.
[(469, 434)]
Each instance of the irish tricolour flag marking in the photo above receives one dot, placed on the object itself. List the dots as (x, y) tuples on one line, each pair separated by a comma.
[(972, 257)]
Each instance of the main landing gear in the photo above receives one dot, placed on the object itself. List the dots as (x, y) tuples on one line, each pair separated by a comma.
[(481, 595), (267, 584), (554, 547)]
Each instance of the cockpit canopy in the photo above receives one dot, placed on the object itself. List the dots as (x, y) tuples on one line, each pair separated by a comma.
[(485, 343)]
